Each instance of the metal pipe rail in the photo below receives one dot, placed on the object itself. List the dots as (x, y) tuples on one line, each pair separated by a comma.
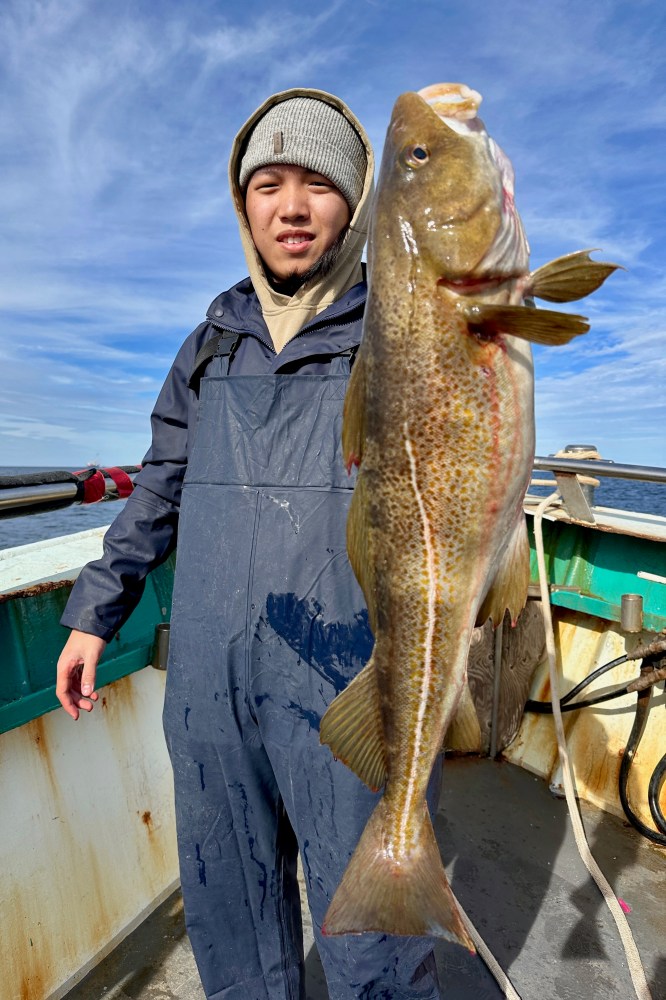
[(597, 467), (35, 493), (21, 495)]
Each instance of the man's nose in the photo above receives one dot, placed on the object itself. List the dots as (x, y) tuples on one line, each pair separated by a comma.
[(294, 202)]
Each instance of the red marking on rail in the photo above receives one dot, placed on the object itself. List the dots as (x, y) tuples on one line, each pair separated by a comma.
[(94, 487), (124, 484)]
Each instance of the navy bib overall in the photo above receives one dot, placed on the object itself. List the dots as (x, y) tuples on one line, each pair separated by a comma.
[(268, 625)]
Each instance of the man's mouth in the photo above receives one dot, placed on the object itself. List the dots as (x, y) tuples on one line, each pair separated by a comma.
[(295, 239)]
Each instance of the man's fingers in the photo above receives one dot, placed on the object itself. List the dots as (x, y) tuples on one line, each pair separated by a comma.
[(88, 678), (68, 704), (76, 673), (86, 701)]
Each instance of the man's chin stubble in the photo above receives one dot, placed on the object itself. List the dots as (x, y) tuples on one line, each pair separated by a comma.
[(316, 272)]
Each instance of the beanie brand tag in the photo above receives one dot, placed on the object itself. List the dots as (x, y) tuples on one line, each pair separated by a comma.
[(278, 143)]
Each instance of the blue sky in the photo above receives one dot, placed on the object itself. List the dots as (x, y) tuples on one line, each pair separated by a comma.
[(116, 227)]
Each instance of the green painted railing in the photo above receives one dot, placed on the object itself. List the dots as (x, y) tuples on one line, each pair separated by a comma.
[(595, 568), (31, 639)]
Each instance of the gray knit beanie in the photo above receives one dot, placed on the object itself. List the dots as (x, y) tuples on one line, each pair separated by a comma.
[(312, 134)]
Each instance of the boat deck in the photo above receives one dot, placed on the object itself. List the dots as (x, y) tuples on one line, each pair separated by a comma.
[(509, 850)]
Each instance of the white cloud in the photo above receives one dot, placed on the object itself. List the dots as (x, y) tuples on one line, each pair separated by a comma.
[(116, 228)]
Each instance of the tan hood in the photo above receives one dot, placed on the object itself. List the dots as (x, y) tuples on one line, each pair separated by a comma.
[(286, 315)]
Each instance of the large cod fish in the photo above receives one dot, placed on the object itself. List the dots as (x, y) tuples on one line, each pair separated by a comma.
[(439, 417)]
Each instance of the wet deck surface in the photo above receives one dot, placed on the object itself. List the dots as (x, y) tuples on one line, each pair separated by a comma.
[(513, 864)]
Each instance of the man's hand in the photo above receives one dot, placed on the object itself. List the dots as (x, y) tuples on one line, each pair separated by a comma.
[(77, 666)]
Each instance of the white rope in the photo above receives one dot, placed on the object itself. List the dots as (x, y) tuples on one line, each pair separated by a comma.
[(486, 954), (631, 951)]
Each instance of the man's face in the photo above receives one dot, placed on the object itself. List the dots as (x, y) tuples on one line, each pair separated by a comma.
[(295, 215)]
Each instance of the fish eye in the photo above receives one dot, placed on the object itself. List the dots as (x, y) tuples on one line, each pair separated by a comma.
[(417, 155)]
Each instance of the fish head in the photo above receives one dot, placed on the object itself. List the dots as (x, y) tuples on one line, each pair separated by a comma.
[(447, 196)]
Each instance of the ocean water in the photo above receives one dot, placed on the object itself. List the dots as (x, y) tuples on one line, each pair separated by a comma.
[(625, 494)]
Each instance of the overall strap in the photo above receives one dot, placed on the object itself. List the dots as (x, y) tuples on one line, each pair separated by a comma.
[(346, 357), (221, 345)]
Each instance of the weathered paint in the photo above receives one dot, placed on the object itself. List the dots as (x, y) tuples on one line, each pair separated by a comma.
[(30, 634), (87, 835), (596, 736)]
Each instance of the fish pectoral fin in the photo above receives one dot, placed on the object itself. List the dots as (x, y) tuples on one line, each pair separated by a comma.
[(540, 326), (508, 591), (353, 419), (406, 894), (352, 727), (570, 277)]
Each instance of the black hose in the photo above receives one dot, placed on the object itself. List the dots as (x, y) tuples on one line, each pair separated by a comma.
[(544, 707), (42, 478), (637, 730), (592, 677), (642, 707), (654, 791)]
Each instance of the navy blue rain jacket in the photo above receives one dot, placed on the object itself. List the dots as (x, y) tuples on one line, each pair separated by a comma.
[(144, 533)]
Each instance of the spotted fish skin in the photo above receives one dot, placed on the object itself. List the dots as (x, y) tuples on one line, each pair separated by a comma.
[(439, 418)]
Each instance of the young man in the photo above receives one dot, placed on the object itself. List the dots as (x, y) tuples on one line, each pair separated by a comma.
[(268, 623)]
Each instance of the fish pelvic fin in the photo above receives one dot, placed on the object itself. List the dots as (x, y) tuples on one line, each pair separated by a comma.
[(508, 591), (389, 894), (570, 277), (540, 326), (357, 547), (352, 727), (353, 418)]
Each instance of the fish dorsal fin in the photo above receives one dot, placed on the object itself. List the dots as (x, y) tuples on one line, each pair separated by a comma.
[(569, 278), (352, 727), (508, 591), (540, 326)]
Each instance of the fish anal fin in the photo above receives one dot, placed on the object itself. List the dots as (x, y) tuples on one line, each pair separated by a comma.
[(508, 591), (464, 732), (353, 420), (407, 895), (570, 277), (540, 326), (352, 727)]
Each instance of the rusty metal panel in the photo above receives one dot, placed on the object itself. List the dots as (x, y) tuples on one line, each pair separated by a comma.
[(87, 834), (596, 736)]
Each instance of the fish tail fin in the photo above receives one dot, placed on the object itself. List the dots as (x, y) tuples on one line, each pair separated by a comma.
[(570, 277), (407, 895)]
